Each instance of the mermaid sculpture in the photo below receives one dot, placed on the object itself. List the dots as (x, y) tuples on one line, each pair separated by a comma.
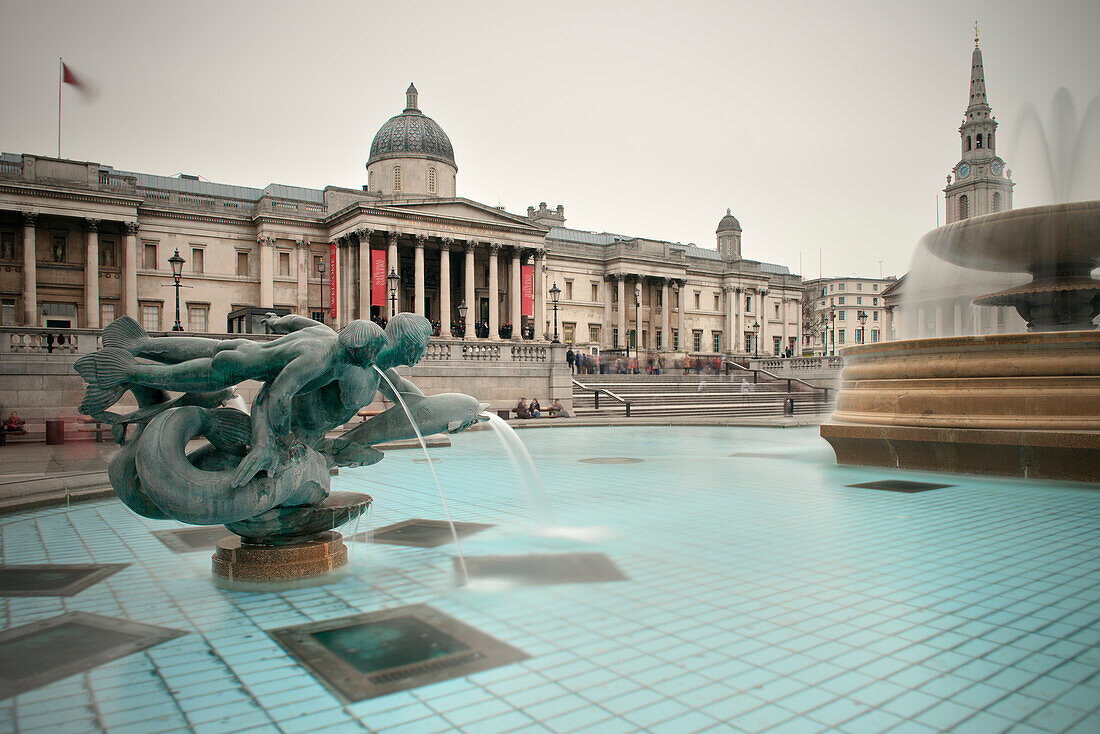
[(260, 472)]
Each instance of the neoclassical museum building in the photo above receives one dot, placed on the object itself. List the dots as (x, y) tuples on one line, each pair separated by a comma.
[(82, 243)]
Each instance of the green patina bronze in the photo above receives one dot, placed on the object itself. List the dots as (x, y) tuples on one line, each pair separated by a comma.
[(263, 473)]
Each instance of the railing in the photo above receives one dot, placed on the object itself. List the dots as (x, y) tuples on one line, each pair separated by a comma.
[(596, 391), (10, 168), (49, 341), (117, 181), (803, 363), (756, 372)]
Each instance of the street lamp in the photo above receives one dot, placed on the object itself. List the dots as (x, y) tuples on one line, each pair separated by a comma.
[(555, 292), (756, 339), (321, 275), (862, 316), (392, 280), (462, 308), (177, 273)]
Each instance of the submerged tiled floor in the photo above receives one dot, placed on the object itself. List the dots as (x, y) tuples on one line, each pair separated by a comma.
[(763, 594)]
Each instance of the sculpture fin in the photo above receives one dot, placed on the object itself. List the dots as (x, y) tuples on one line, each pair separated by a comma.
[(124, 333), (106, 373), (230, 430)]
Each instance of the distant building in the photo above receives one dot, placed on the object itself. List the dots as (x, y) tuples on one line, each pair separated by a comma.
[(833, 309)]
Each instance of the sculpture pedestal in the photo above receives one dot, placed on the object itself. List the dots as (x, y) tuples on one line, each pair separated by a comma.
[(238, 564)]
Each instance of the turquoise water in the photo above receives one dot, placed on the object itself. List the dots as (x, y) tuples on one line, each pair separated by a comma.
[(763, 595)]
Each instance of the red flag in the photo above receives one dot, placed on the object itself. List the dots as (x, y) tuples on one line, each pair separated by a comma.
[(378, 278), (332, 279), (80, 84), (527, 289)]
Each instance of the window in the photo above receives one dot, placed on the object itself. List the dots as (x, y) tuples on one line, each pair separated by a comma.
[(997, 205), (697, 340), (318, 316), (568, 330), (595, 291), (149, 253), (614, 295), (832, 287), (150, 317), (59, 242), (964, 207), (107, 258), (875, 287), (675, 340), (196, 319), (841, 286), (840, 336), (7, 245), (777, 345), (614, 338), (748, 342), (284, 263), (748, 304), (840, 301), (106, 313), (875, 316), (7, 312), (697, 300), (859, 286), (431, 180), (859, 300), (197, 264), (777, 305), (876, 335), (717, 303), (840, 315), (716, 341), (874, 301), (978, 144), (594, 333), (397, 178), (968, 142), (242, 263), (370, 180), (657, 339), (569, 290)]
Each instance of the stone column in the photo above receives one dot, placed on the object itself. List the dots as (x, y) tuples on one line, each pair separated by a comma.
[(514, 295), (730, 334), (620, 283), (392, 264), (129, 271), (346, 291), (540, 294), (922, 324), (976, 319), (91, 274), (364, 272), (738, 320), (445, 286), (666, 307), (418, 275), (783, 317), (304, 266), (494, 291), (681, 321), (267, 270), (605, 337), (30, 263), (468, 289)]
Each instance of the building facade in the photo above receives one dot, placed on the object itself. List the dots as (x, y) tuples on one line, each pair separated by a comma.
[(83, 243), (841, 312)]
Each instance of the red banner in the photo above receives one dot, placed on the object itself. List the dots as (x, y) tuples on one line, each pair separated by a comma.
[(527, 289), (378, 279), (332, 280)]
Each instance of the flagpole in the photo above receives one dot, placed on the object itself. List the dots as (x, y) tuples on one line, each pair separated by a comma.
[(60, 76)]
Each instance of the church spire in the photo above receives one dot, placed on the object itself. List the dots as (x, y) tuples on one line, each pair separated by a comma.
[(978, 103)]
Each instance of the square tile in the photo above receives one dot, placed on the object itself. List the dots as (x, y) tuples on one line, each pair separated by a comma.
[(53, 579), (542, 569), (421, 533)]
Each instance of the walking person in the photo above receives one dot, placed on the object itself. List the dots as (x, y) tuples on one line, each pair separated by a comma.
[(570, 358)]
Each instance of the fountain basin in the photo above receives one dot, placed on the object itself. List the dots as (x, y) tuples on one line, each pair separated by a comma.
[(1024, 405)]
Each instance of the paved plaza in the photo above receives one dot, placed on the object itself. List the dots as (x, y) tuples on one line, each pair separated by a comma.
[(713, 578)]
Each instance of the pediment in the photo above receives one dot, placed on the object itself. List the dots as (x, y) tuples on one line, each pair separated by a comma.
[(467, 211)]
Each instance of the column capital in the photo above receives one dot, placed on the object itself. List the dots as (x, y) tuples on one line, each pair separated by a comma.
[(91, 225), (265, 240), (540, 253), (302, 244), (30, 219), (364, 233), (421, 239), (494, 248), (469, 245), (391, 237), (446, 243), (132, 228)]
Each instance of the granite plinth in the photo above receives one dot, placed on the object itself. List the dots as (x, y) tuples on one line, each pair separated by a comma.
[(239, 562), (1024, 405)]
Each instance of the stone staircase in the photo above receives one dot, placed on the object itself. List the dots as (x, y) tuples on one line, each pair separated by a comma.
[(695, 395)]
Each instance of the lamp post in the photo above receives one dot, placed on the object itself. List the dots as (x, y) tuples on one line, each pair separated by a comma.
[(392, 280), (177, 273), (637, 323), (555, 292), (862, 317), (462, 308), (756, 339), (832, 328), (321, 275)]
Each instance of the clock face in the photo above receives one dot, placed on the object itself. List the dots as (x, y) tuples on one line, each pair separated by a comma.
[(964, 170), (995, 168)]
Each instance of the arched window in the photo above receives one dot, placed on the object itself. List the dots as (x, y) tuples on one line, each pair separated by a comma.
[(989, 141), (370, 180), (431, 180), (964, 207), (997, 201), (979, 145), (968, 142), (397, 178)]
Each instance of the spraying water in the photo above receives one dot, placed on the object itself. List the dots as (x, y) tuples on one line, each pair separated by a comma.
[(528, 475), (442, 497)]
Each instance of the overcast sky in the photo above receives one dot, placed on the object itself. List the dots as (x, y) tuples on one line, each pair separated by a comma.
[(824, 126)]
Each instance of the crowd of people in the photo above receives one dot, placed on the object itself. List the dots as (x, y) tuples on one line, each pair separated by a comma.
[(532, 409)]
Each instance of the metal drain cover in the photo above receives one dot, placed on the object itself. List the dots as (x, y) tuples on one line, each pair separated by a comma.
[(421, 533), (368, 655), (900, 485), (612, 460), (53, 580), (47, 651), (189, 540), (543, 569)]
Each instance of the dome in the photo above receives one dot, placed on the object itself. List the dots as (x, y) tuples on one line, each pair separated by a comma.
[(412, 134), (728, 223)]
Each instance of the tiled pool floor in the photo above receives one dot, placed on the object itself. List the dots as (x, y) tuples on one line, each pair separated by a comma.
[(762, 594)]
